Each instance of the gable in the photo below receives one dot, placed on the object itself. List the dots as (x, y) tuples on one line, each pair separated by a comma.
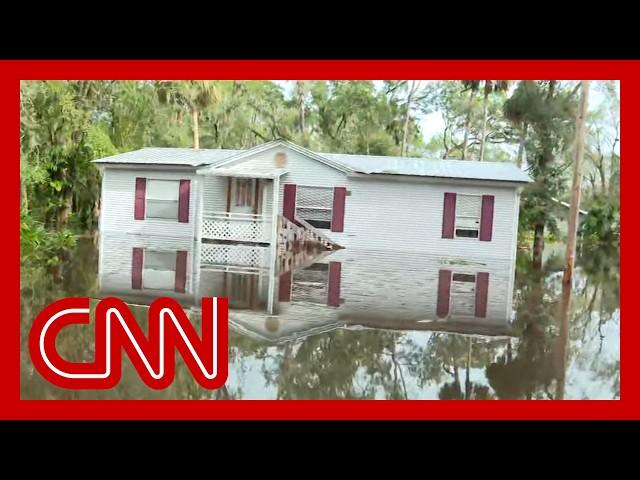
[(277, 155)]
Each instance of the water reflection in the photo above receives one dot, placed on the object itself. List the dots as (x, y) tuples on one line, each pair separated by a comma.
[(361, 324)]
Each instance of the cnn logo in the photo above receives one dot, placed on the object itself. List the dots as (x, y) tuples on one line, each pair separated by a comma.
[(116, 329)]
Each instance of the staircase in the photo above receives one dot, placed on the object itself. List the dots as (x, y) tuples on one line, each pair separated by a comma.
[(298, 235)]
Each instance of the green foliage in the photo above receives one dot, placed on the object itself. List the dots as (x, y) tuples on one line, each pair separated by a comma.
[(40, 246), (548, 108), (603, 222), (64, 125), (461, 107)]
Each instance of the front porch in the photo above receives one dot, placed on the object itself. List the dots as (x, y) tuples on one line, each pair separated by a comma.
[(250, 234)]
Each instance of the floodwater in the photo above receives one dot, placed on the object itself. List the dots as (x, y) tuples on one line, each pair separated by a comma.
[(367, 325)]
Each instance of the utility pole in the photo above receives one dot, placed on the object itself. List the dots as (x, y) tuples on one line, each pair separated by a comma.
[(577, 182)]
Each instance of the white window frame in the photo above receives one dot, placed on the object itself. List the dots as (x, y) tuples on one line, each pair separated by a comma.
[(176, 201), (145, 269), (468, 217), (315, 207)]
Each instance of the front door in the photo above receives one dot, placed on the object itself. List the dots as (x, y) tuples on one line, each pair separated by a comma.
[(243, 196)]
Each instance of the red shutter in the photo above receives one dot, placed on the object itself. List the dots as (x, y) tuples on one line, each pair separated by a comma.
[(284, 287), (136, 268), (181, 271), (449, 215), (486, 218), (335, 272), (183, 201), (482, 289), (289, 202), (139, 204), (444, 290), (337, 220)]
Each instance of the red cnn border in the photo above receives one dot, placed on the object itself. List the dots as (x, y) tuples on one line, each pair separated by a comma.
[(11, 407)]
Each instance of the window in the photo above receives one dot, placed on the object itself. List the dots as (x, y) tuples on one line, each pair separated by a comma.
[(314, 205), (311, 283), (468, 216), (464, 277), (159, 271), (162, 198), (463, 294)]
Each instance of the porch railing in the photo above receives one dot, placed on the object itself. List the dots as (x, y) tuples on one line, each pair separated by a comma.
[(240, 227), (247, 256)]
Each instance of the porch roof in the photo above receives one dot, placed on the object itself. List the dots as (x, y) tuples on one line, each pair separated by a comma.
[(246, 171)]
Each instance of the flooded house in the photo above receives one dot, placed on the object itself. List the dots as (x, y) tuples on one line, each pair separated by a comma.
[(324, 291), (301, 241), (242, 208)]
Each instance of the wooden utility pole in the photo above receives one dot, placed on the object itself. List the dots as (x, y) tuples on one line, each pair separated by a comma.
[(577, 182)]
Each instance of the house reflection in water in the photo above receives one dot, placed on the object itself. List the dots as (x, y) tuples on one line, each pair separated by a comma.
[(313, 292)]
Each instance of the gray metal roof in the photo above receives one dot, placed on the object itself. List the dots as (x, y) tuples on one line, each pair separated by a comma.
[(170, 156), (367, 164), (423, 167)]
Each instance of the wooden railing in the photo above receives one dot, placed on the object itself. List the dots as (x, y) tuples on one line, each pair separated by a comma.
[(292, 234)]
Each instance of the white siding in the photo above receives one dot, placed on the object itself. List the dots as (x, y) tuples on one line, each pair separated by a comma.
[(215, 194), (406, 215), (414, 281), (390, 214), (118, 203), (400, 213), (412, 299)]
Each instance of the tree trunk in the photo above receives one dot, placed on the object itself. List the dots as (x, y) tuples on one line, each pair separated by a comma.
[(24, 201), (300, 92), (62, 216), (521, 147), (196, 128), (467, 126), (485, 108), (576, 189), (603, 179), (563, 342), (538, 245), (405, 133)]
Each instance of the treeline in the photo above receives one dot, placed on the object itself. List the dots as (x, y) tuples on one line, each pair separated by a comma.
[(67, 124)]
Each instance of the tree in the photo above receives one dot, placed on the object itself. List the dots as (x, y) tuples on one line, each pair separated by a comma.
[(490, 86), (463, 122), (472, 86), (548, 108), (413, 89), (193, 95), (576, 189)]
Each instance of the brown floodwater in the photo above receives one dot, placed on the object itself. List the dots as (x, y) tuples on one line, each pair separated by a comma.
[(364, 325)]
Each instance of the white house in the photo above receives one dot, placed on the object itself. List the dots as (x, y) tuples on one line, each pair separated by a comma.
[(234, 210)]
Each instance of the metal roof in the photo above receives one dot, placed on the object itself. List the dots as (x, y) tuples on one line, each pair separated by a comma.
[(424, 167), (567, 205), (170, 156), (365, 164)]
